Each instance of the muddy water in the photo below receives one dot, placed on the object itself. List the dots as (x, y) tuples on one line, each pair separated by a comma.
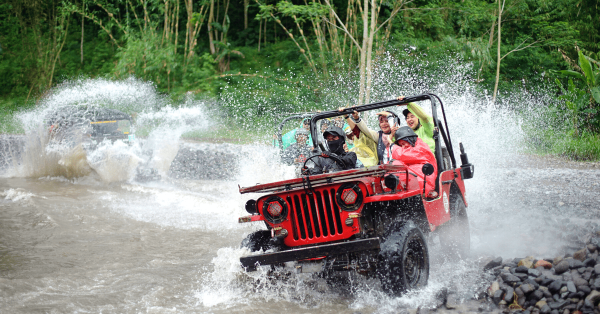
[(172, 246)]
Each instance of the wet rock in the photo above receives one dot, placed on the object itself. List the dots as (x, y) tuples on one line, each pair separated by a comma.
[(589, 262), (557, 260), (452, 301), (527, 288), (561, 267), (593, 297), (521, 276), (585, 289), (578, 281), (580, 255), (534, 272), (509, 296), (571, 287), (497, 296), (509, 278), (495, 286), (537, 295), (555, 286), (521, 269), (493, 263), (558, 304), (596, 284), (527, 262), (575, 263), (520, 296), (543, 263), (592, 247)]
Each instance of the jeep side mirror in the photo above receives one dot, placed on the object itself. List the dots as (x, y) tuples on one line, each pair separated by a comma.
[(427, 169)]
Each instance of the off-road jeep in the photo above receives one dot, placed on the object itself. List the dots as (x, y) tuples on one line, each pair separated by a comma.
[(371, 220)]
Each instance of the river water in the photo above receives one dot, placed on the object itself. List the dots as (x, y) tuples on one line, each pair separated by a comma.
[(94, 239)]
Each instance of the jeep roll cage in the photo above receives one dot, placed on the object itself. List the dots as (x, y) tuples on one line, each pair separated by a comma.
[(439, 128), (298, 116)]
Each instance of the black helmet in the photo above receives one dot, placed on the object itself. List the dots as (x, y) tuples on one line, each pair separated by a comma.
[(334, 130), (337, 146), (407, 134), (405, 112)]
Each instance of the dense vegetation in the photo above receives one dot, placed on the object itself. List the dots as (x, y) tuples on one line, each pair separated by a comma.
[(209, 46)]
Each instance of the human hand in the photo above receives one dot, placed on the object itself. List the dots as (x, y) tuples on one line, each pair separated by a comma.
[(346, 147), (325, 154), (394, 129), (355, 115), (401, 97)]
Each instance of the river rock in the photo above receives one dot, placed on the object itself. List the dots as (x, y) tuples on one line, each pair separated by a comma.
[(585, 289), (578, 281), (495, 286), (596, 284), (558, 304), (580, 255), (555, 286), (527, 262), (597, 269), (509, 278), (521, 269), (452, 301), (561, 267), (497, 297), (537, 295), (571, 287), (575, 263), (593, 297), (543, 263), (557, 260), (509, 296), (493, 263), (534, 272), (527, 288), (589, 262), (539, 304)]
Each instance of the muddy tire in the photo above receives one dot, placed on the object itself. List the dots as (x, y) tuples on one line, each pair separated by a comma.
[(455, 237), (403, 262), (257, 240)]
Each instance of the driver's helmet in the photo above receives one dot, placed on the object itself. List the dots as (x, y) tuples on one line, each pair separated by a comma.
[(407, 134), (336, 146)]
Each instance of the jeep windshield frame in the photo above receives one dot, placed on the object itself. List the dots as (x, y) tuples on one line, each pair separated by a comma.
[(439, 128)]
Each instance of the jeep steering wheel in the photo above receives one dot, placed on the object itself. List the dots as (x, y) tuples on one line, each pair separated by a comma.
[(335, 158)]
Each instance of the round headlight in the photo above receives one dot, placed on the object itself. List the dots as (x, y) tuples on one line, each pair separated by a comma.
[(275, 209), (349, 196)]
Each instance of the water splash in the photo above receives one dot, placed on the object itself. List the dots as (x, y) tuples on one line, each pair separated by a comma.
[(161, 122)]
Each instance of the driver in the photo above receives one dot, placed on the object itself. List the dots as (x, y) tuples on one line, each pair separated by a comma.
[(297, 152), (330, 159), (411, 151)]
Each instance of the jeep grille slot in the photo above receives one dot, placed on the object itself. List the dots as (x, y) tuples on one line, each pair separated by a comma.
[(315, 215)]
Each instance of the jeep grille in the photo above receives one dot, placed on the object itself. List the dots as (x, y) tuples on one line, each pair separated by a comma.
[(314, 215)]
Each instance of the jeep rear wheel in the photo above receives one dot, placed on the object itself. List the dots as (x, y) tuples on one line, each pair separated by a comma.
[(257, 240), (454, 235), (403, 260)]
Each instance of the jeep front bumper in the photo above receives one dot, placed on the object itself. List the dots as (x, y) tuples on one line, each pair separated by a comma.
[(323, 250)]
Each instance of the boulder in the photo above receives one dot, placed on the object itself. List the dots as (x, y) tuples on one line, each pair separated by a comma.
[(557, 260), (452, 301)]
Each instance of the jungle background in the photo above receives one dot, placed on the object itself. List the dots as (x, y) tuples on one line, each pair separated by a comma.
[(292, 51)]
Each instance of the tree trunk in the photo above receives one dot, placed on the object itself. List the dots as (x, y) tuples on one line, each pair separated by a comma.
[(363, 54), (211, 18), (500, 7), (82, 38), (246, 4)]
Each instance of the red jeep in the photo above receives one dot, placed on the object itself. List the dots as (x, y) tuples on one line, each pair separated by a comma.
[(372, 220)]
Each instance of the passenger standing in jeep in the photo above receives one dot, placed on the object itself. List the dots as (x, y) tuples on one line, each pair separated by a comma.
[(411, 151)]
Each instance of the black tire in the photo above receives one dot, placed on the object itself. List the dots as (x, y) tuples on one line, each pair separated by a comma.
[(257, 240), (403, 260), (455, 236)]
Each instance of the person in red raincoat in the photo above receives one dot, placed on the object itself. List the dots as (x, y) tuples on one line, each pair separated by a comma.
[(411, 151)]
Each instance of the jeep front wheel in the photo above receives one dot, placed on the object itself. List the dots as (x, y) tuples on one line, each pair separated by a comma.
[(403, 260)]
